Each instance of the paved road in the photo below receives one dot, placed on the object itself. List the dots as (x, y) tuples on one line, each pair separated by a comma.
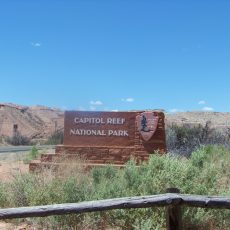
[(4, 149)]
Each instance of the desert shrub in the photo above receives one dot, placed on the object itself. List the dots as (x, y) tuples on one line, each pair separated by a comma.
[(185, 139), (3, 195), (33, 154), (1, 139), (56, 138), (18, 139), (207, 172)]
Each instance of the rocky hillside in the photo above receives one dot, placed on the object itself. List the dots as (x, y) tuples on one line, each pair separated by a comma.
[(36, 122), (39, 122), (218, 120)]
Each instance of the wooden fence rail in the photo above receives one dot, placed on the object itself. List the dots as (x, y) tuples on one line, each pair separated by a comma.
[(118, 203)]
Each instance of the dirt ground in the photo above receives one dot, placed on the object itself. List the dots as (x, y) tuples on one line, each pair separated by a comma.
[(10, 226), (11, 164), (6, 226)]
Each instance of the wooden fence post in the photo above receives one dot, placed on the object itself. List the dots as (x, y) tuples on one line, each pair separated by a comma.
[(173, 213)]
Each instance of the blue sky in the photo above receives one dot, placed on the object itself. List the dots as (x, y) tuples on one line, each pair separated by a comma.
[(116, 55)]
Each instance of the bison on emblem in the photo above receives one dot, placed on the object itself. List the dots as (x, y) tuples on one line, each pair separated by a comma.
[(147, 124)]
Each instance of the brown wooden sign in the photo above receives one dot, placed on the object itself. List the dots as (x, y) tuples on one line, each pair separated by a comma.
[(140, 130)]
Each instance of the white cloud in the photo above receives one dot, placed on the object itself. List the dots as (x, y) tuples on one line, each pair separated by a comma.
[(64, 108), (202, 102), (207, 109), (174, 110), (129, 99), (36, 44), (80, 108), (96, 103), (115, 110), (92, 108)]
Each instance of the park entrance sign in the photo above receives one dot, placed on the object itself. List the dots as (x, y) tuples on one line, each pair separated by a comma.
[(111, 137), (99, 129)]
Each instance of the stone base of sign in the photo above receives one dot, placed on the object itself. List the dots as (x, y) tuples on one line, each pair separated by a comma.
[(38, 166), (90, 156), (93, 155)]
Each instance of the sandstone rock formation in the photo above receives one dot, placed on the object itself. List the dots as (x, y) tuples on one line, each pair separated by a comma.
[(37, 122), (220, 121)]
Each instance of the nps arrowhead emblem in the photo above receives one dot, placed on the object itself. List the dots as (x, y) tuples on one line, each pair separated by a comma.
[(147, 124)]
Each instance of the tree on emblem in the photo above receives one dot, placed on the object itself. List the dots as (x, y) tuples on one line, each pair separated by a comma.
[(144, 124)]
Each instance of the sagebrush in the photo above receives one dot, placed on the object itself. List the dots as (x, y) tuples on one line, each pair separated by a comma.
[(207, 172), (184, 139), (56, 138)]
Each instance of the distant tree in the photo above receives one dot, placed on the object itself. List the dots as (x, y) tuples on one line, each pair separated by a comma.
[(56, 138), (18, 139)]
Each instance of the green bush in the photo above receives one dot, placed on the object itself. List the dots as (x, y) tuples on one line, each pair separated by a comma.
[(56, 138), (1, 139), (3, 196), (207, 172), (186, 138), (33, 154)]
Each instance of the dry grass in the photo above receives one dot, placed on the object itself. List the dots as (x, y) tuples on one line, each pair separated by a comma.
[(11, 164)]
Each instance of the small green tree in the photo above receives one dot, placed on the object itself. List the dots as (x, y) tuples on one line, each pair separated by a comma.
[(56, 138), (33, 154)]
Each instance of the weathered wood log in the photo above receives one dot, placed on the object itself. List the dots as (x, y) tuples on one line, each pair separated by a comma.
[(173, 213), (206, 201), (117, 203)]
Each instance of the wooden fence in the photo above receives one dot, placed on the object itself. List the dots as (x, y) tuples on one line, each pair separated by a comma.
[(171, 200)]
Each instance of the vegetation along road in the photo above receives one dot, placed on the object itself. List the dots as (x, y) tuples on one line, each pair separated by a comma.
[(4, 149)]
